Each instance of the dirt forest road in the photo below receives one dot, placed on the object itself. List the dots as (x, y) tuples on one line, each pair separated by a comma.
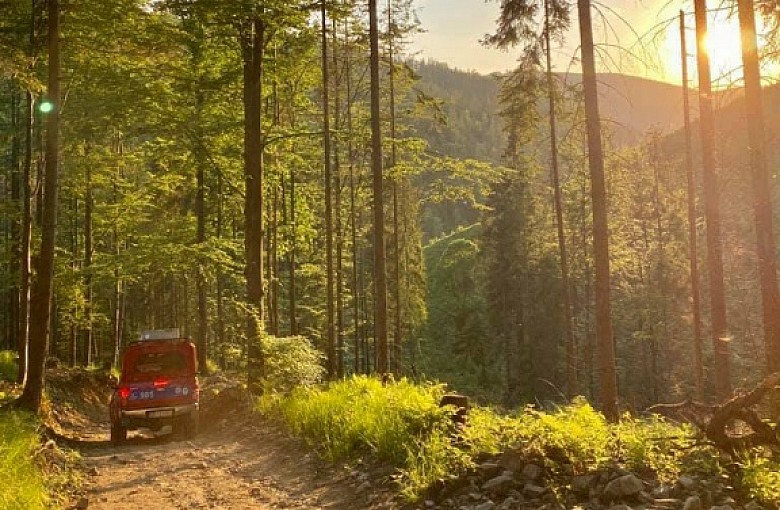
[(237, 462)]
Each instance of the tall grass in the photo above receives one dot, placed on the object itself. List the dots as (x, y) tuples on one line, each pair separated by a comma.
[(402, 424), (360, 415), (22, 486)]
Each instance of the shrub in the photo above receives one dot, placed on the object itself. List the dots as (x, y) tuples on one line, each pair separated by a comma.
[(291, 362), (9, 368), (761, 478), (23, 487)]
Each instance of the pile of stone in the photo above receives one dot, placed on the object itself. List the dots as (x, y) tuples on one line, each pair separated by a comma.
[(510, 481)]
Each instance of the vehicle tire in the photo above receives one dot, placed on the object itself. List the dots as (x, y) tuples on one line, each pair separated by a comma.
[(190, 426), (118, 434)]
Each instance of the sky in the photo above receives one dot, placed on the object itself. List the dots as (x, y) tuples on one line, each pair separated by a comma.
[(648, 30)]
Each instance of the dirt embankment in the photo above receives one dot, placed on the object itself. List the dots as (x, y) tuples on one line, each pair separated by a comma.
[(239, 461)]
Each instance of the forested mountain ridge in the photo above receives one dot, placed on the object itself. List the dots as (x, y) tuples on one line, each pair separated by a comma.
[(646, 193), (630, 106)]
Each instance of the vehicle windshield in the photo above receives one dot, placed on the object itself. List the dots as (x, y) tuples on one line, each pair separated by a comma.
[(151, 364)]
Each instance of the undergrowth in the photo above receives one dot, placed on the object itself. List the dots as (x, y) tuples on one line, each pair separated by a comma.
[(761, 479), (361, 416), (402, 424), (8, 366), (18, 442)]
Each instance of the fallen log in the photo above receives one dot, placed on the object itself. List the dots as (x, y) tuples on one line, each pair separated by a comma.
[(714, 421)]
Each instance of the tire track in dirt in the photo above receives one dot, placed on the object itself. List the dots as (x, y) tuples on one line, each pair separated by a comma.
[(240, 461)]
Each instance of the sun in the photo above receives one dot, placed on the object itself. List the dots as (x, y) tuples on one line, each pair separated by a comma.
[(725, 49)]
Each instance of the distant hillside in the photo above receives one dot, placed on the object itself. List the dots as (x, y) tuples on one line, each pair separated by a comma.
[(631, 105), (472, 127), (635, 105), (731, 127)]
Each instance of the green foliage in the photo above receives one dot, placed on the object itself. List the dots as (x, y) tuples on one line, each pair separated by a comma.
[(291, 362), (761, 478), (576, 431), (656, 444), (211, 366), (468, 100), (9, 367), (23, 487), (402, 424), (361, 415), (457, 347)]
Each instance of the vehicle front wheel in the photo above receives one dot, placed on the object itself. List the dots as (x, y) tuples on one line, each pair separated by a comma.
[(118, 434)]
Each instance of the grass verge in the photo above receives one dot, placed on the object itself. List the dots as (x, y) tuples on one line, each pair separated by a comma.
[(19, 441), (402, 424)]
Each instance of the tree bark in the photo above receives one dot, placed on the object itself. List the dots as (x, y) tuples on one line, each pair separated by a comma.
[(200, 211), (40, 309), (11, 331), (762, 187), (338, 227), (88, 253), (571, 346), (26, 227), (118, 286), (720, 336), (73, 336), (605, 343), (698, 356), (398, 319), (253, 46), (326, 145), (356, 340), (220, 285), (380, 271)]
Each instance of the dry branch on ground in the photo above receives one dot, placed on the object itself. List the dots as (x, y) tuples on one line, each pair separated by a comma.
[(717, 422)]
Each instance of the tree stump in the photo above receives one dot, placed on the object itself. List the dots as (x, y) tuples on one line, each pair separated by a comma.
[(461, 404)]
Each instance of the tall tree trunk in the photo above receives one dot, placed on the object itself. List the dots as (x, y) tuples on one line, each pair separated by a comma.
[(397, 335), (118, 284), (605, 343), (200, 211), (278, 197), (292, 256), (253, 49), (15, 261), (220, 285), (698, 356), (26, 226), (720, 335), (88, 253), (762, 199), (274, 261), (655, 351), (380, 271), (571, 346), (330, 325), (73, 336), (40, 310), (356, 339), (339, 270)]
